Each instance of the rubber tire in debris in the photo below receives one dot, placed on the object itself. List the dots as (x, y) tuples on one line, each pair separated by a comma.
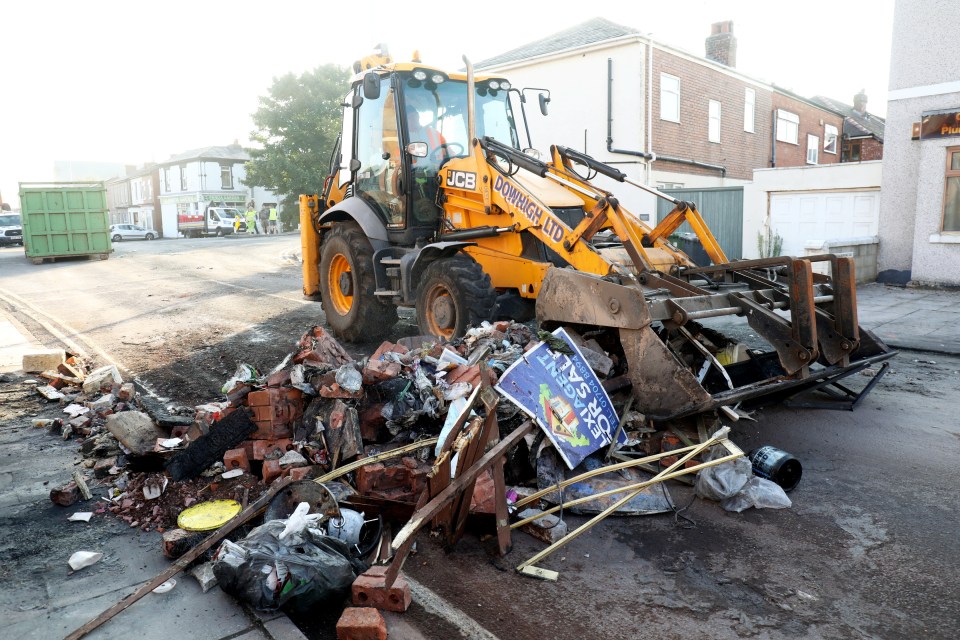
[(469, 287), (369, 317)]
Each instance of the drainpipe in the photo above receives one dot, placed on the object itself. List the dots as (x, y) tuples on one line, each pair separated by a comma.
[(773, 143), (648, 106), (628, 152)]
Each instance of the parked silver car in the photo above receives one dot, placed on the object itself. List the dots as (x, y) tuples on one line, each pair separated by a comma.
[(10, 230), (121, 232)]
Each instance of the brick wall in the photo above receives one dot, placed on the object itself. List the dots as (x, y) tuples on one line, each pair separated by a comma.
[(871, 149), (739, 151), (812, 121)]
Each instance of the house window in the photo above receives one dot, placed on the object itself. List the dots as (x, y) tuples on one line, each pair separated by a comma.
[(788, 126), (183, 178), (951, 192), (749, 109), (813, 149), (167, 185), (829, 139), (669, 97), (851, 151), (713, 126), (226, 176)]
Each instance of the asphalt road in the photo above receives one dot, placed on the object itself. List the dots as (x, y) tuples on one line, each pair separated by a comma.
[(868, 549)]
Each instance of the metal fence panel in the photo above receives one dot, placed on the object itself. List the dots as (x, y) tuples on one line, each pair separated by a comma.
[(722, 210)]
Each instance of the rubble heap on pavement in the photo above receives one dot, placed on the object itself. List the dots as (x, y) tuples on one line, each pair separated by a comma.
[(421, 433)]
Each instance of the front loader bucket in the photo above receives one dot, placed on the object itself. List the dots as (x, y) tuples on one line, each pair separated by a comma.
[(677, 366)]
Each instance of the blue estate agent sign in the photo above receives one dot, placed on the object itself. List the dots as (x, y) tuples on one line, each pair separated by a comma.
[(565, 397)]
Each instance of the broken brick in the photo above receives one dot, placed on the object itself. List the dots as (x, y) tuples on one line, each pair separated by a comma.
[(127, 392), (263, 449), (392, 480), (372, 422), (304, 473), (271, 470), (484, 494), (65, 495), (370, 590), (177, 542), (102, 468), (361, 623), (236, 459), (379, 370)]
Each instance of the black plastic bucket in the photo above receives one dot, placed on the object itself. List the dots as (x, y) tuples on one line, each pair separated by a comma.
[(776, 465)]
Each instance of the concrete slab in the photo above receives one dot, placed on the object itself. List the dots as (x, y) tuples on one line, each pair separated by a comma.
[(15, 341)]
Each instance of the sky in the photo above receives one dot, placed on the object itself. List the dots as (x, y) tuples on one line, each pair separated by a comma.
[(136, 82)]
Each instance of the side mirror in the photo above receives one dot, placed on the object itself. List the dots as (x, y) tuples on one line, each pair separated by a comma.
[(544, 99), (371, 86)]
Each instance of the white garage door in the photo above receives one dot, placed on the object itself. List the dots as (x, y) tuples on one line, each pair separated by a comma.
[(812, 218)]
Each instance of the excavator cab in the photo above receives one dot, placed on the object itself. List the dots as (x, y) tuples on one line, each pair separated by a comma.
[(408, 125)]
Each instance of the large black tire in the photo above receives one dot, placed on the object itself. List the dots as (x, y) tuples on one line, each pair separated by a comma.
[(353, 312), (454, 294)]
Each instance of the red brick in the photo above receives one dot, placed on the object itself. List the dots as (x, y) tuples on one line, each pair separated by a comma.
[(236, 459), (392, 480), (484, 494), (361, 623), (302, 473), (370, 590), (372, 422), (258, 398), (262, 447), (65, 495), (271, 470), (378, 370)]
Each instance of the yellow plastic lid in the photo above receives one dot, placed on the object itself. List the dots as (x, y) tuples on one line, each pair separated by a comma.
[(209, 515)]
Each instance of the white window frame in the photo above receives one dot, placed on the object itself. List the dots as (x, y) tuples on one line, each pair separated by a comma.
[(830, 133), (184, 182), (714, 109), (668, 95), (749, 110), (788, 126), (813, 149), (226, 170)]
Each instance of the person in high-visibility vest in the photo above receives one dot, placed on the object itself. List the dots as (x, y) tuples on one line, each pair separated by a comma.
[(251, 217), (272, 226)]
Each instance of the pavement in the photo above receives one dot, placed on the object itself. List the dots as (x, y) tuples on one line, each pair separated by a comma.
[(905, 318), (918, 319)]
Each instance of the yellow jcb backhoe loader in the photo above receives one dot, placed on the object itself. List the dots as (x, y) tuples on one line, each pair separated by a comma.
[(431, 203)]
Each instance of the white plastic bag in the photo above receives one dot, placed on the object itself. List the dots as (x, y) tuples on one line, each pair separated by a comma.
[(724, 480), (760, 493)]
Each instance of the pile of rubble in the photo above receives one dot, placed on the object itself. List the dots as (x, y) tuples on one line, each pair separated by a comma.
[(420, 434)]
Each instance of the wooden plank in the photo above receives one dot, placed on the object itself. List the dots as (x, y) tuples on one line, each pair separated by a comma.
[(460, 505), (254, 509), (402, 550)]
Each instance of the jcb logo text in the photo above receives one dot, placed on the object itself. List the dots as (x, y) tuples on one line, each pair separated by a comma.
[(462, 180)]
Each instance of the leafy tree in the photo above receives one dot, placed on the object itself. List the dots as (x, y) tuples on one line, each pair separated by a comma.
[(296, 126)]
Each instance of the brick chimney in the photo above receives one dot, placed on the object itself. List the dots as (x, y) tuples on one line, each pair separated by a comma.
[(860, 102), (722, 44)]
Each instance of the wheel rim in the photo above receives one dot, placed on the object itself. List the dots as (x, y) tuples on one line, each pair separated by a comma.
[(440, 311), (340, 284)]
